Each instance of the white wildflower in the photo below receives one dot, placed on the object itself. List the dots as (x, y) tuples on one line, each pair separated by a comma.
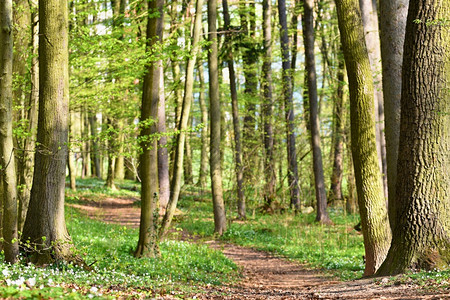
[(5, 272)]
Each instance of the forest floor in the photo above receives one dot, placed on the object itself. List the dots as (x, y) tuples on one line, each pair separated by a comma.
[(265, 276)]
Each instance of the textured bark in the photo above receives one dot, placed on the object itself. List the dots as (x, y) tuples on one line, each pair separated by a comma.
[(370, 24), (204, 160), (7, 159), (372, 207), (421, 233), (148, 229), (119, 164), (178, 164), (45, 236), (392, 33), (289, 107), (267, 107), (319, 180), (235, 112), (214, 113)]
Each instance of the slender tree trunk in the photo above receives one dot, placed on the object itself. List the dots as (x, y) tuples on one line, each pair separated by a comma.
[(370, 23), (188, 176), (111, 152), (214, 112), (70, 160), (26, 167), (372, 207), (289, 107), (392, 32), (119, 164), (175, 186), (7, 157), (420, 236), (235, 113), (204, 160), (148, 241), (95, 161), (319, 180), (267, 110), (45, 228)]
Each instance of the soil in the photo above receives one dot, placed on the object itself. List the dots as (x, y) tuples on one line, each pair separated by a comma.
[(265, 276)]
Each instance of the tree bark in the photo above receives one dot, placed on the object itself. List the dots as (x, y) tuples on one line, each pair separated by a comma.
[(7, 157), (215, 116), (372, 207), (392, 33), (183, 125), (289, 107), (148, 229), (204, 160), (235, 113), (45, 236), (319, 180), (421, 233), (95, 161)]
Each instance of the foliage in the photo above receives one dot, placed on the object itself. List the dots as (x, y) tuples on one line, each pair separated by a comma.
[(116, 273)]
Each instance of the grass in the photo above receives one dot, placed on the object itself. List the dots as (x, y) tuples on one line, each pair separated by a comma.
[(182, 268), (338, 249)]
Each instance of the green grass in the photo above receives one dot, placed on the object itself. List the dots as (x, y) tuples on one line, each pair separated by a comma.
[(182, 267)]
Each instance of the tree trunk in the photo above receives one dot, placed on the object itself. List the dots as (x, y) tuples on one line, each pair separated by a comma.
[(420, 237), (45, 236), (148, 242), (26, 159), (369, 186), (70, 160), (267, 110), (119, 164), (175, 186), (7, 157), (319, 180), (235, 112), (289, 107), (111, 150), (370, 24), (188, 176), (204, 160), (214, 111), (95, 160), (392, 32)]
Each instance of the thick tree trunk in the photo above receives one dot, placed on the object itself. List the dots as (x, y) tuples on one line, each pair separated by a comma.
[(319, 180), (289, 107), (178, 164), (7, 157), (220, 221), (392, 32), (372, 207), (421, 233), (45, 236), (235, 112), (267, 110), (148, 229)]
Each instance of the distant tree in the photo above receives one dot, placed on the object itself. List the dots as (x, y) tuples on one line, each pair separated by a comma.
[(421, 233), (148, 229), (45, 237), (288, 107), (392, 34), (372, 207), (310, 64), (204, 160), (7, 155), (220, 223)]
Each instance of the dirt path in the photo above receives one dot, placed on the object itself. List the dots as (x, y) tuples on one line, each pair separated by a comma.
[(266, 276)]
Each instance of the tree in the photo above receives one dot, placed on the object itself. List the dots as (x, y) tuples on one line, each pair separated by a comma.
[(7, 159), (45, 236), (420, 236), (372, 207), (148, 242), (392, 35), (289, 107), (235, 112), (319, 180), (267, 106), (214, 117), (203, 172), (183, 124)]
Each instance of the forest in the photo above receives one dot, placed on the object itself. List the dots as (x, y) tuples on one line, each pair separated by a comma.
[(244, 149)]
